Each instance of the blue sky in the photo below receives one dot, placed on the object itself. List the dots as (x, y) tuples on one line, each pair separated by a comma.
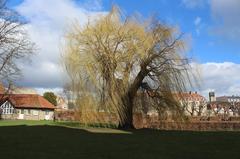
[(212, 25), (205, 45)]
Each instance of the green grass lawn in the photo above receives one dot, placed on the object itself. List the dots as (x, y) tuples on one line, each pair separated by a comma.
[(45, 140), (24, 122)]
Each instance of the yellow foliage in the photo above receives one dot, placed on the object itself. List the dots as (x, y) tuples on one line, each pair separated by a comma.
[(108, 59)]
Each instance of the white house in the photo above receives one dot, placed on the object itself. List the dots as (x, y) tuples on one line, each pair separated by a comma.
[(25, 106), (193, 103)]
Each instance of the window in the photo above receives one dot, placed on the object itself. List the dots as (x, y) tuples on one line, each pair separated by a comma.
[(22, 111), (28, 111), (46, 112), (35, 112), (6, 108)]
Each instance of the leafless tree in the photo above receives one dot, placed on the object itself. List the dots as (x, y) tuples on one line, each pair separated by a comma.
[(14, 44), (195, 108)]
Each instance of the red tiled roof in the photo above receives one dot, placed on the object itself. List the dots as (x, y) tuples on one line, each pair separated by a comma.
[(193, 96), (29, 101), (189, 96)]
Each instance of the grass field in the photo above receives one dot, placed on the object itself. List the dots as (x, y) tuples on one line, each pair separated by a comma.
[(44, 140)]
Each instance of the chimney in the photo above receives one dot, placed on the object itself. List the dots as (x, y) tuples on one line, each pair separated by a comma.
[(196, 92), (190, 92)]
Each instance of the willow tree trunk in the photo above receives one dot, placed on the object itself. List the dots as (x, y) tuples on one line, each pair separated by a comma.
[(126, 116)]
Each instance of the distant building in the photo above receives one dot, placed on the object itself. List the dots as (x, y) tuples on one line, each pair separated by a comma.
[(26, 106), (212, 97), (193, 103), (61, 104), (224, 106), (231, 99)]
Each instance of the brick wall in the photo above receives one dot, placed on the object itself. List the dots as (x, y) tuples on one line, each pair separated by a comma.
[(194, 124)]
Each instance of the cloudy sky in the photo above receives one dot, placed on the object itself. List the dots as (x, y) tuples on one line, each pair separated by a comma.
[(213, 25)]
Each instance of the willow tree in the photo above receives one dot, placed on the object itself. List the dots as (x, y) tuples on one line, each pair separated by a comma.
[(116, 55)]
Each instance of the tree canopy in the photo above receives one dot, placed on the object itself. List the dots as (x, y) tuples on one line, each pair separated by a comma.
[(51, 97), (110, 58)]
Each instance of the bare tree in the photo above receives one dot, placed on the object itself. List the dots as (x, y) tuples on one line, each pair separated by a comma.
[(14, 43), (68, 95), (118, 54), (195, 108), (235, 108)]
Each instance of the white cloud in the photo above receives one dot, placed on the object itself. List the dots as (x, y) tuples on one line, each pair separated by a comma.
[(197, 21), (48, 21), (226, 14), (223, 78), (47, 24), (57, 91), (191, 4)]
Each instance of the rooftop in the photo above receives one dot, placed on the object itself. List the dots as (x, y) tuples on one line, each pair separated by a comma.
[(28, 101)]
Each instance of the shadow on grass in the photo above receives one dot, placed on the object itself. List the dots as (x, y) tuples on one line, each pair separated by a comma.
[(45, 142)]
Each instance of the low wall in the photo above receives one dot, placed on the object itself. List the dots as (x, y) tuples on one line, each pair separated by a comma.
[(100, 117), (140, 121), (8, 116), (192, 124), (195, 126)]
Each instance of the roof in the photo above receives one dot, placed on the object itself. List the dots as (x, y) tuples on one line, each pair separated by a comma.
[(190, 96), (29, 101), (186, 96), (226, 98), (219, 102)]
